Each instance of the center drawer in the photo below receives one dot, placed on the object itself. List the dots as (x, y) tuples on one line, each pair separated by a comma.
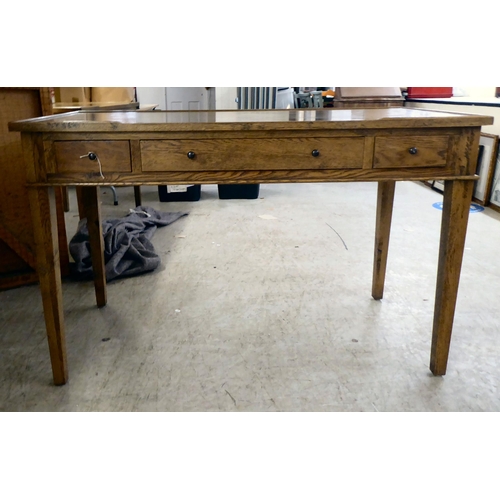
[(252, 154), (113, 155)]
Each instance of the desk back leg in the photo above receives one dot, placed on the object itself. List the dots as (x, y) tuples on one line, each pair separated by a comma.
[(43, 211), (79, 201), (456, 207), (91, 204), (137, 195), (385, 201)]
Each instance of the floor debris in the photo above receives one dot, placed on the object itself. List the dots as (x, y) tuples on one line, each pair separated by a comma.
[(337, 235)]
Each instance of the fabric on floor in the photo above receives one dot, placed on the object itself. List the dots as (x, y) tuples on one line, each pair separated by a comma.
[(128, 250)]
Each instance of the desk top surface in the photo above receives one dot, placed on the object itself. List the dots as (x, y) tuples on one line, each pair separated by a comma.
[(158, 121)]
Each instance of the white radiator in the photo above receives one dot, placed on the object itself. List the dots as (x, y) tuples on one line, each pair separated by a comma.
[(256, 97)]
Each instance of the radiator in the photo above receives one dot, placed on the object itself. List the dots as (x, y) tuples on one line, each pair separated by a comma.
[(256, 97)]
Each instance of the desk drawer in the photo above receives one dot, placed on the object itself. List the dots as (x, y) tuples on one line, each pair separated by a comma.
[(113, 155), (252, 154), (412, 151)]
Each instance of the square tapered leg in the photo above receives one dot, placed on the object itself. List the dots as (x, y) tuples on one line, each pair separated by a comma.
[(385, 201), (456, 207), (43, 211)]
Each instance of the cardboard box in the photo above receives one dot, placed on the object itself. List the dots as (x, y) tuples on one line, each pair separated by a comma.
[(77, 95), (113, 94)]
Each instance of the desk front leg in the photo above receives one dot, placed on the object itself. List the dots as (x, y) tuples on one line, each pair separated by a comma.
[(385, 201), (456, 207), (43, 211), (91, 204)]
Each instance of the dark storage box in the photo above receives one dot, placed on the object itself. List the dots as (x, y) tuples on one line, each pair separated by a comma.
[(238, 191), (192, 194)]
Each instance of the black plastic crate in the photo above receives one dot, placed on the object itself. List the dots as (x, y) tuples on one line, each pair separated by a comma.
[(193, 193), (238, 191)]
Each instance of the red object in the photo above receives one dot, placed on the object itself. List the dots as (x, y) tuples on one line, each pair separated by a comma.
[(416, 92)]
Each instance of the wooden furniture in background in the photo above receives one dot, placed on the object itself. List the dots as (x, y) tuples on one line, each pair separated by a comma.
[(62, 107), (17, 244), (368, 97), (249, 147)]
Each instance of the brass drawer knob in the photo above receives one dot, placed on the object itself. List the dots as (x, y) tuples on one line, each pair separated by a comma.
[(315, 152), (413, 151), (191, 155)]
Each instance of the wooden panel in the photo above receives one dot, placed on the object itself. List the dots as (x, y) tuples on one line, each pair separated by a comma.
[(8, 281), (368, 97), (367, 92), (113, 155), (274, 121), (252, 154), (258, 176), (15, 216), (394, 152), (17, 258), (367, 104), (10, 261)]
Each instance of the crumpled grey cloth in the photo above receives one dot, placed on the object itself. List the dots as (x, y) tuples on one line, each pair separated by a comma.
[(128, 250)]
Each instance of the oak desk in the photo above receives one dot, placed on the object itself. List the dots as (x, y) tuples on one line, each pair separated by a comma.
[(268, 146)]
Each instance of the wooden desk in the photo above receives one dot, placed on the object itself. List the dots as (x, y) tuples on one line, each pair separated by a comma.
[(269, 146)]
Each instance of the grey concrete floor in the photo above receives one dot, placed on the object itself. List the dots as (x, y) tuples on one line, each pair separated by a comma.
[(268, 314)]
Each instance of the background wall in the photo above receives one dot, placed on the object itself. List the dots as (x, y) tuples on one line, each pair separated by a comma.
[(485, 94), (475, 92), (151, 95), (224, 97)]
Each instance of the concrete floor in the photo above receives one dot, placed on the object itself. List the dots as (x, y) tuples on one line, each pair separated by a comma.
[(253, 314)]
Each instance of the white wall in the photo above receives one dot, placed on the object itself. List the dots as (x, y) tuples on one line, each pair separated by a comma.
[(151, 95), (473, 110), (475, 92), (225, 98), (469, 94)]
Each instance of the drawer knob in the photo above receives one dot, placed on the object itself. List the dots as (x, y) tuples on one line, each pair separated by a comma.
[(315, 152), (90, 156), (191, 155), (413, 151), (93, 157)]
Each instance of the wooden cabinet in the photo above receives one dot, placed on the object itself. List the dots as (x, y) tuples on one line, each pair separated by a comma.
[(17, 259), (368, 97)]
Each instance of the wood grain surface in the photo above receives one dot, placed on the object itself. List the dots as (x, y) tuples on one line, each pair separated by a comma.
[(251, 120), (412, 151), (17, 246), (113, 155), (252, 154), (268, 146)]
